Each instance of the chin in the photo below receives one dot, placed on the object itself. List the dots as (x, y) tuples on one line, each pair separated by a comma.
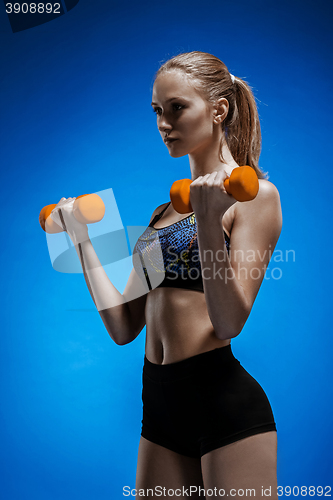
[(177, 155)]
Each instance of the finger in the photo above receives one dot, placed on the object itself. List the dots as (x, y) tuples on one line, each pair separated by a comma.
[(206, 180), (69, 203), (55, 217), (219, 178), (212, 178), (197, 180)]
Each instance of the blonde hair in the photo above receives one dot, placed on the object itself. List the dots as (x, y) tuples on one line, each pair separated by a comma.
[(211, 79)]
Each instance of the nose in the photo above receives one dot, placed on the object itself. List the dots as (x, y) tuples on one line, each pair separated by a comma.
[(164, 131), (164, 127)]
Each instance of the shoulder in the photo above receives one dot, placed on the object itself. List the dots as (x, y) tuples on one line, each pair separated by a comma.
[(268, 195), (158, 210), (267, 188), (267, 191)]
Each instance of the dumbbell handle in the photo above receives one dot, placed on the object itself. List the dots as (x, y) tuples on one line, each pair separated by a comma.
[(87, 209), (243, 185)]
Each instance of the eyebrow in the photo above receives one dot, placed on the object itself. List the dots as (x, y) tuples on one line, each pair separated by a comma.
[(168, 100)]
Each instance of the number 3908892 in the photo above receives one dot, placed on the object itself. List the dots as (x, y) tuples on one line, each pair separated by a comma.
[(33, 8)]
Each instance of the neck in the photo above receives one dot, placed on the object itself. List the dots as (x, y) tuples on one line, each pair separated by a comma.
[(207, 160)]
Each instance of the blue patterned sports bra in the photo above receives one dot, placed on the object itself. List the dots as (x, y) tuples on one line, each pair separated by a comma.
[(169, 256)]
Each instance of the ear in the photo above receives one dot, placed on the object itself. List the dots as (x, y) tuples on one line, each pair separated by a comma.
[(221, 109)]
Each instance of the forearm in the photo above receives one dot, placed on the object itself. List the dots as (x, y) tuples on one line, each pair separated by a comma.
[(225, 298), (109, 302)]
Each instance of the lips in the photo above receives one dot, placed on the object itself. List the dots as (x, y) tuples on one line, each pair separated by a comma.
[(169, 139)]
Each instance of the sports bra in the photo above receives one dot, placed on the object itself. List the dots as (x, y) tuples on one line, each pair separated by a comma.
[(169, 256)]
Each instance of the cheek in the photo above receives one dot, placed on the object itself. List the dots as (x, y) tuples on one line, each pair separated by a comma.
[(200, 124), (201, 132)]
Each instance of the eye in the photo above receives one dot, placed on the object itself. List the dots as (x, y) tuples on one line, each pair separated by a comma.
[(179, 106)]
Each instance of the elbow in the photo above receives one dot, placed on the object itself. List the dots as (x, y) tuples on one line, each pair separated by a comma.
[(224, 334), (231, 328), (123, 340), (117, 325), (126, 338), (120, 342), (115, 339)]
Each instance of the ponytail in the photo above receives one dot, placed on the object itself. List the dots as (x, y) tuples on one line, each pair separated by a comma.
[(242, 128)]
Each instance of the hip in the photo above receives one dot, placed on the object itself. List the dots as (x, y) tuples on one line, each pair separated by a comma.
[(205, 385)]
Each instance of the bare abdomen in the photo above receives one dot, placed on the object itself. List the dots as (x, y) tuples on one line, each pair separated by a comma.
[(178, 325)]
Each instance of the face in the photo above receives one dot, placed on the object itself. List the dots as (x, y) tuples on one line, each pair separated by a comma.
[(182, 114)]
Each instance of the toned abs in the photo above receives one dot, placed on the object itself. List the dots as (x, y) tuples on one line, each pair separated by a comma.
[(177, 321)]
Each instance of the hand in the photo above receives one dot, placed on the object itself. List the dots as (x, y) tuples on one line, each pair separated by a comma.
[(63, 213), (208, 195)]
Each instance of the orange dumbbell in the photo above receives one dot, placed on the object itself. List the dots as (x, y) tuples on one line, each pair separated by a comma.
[(242, 184), (87, 208)]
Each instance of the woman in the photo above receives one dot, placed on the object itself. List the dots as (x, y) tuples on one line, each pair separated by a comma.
[(206, 421)]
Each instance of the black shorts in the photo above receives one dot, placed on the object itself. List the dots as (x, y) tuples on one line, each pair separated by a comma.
[(201, 403)]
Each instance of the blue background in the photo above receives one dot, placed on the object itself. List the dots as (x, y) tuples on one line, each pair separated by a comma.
[(75, 118)]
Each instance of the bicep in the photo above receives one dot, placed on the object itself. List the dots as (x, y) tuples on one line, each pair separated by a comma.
[(255, 232)]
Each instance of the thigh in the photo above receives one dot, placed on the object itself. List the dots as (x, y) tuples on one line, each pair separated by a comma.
[(247, 464), (160, 467)]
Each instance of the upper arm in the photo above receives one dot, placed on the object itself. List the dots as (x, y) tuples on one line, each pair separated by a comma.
[(255, 232), (135, 294)]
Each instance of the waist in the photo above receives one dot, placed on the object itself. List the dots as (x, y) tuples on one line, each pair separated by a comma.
[(194, 365), (178, 325)]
